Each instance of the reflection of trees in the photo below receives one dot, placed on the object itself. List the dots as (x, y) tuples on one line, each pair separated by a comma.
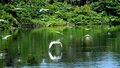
[(32, 60), (54, 57), (113, 42), (12, 48), (87, 42), (11, 57), (84, 44), (78, 47)]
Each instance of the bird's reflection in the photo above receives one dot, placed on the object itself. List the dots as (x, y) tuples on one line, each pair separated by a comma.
[(2, 55), (109, 35), (12, 59), (5, 37), (54, 51), (44, 64), (88, 28), (87, 40), (54, 57)]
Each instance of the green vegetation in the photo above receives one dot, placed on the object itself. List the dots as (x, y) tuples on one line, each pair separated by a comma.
[(15, 13)]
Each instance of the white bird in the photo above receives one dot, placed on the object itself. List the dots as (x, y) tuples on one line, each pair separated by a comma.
[(55, 42), (109, 33), (87, 35), (57, 32), (1, 20), (88, 29), (70, 25), (42, 9), (6, 37), (18, 8)]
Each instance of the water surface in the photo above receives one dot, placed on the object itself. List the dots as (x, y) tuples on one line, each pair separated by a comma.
[(61, 47)]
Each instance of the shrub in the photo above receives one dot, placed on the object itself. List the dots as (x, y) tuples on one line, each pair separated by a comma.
[(7, 19)]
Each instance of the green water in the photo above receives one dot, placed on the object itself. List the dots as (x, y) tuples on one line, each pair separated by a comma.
[(77, 47)]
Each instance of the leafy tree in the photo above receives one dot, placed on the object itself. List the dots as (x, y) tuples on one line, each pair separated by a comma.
[(51, 1), (82, 2), (5, 1), (60, 0)]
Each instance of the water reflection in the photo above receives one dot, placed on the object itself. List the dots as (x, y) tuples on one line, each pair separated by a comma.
[(32, 61), (43, 63), (11, 58), (108, 61), (2, 55), (54, 57), (87, 40), (5, 37), (78, 48), (55, 52), (19, 60), (88, 28)]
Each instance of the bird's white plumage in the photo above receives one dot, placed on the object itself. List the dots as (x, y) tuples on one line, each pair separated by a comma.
[(5, 37), (42, 9), (55, 58), (55, 42)]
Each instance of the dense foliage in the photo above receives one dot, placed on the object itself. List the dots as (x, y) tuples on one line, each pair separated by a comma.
[(61, 12)]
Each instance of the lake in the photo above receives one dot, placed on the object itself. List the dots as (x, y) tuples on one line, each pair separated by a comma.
[(61, 47)]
